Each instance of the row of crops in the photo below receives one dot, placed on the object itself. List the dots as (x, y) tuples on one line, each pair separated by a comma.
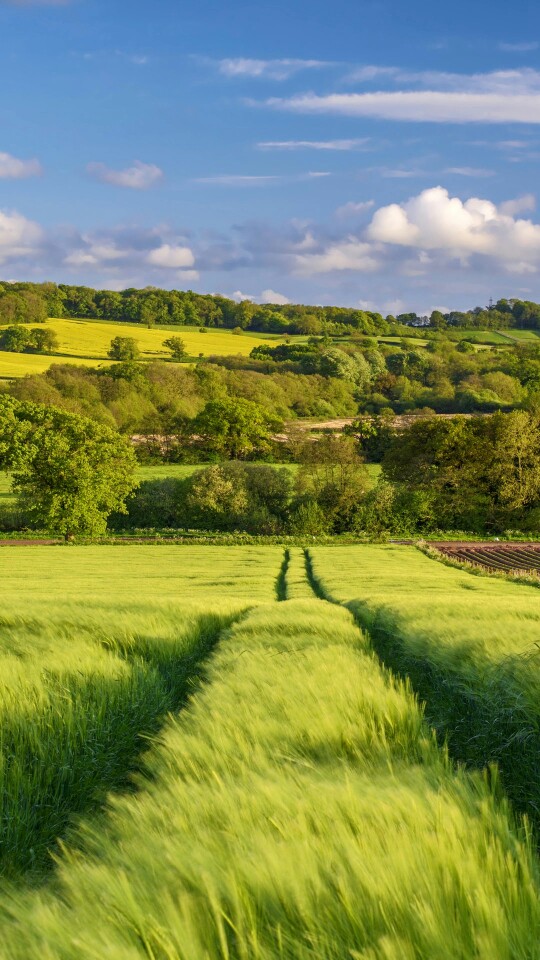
[(496, 558), (296, 805)]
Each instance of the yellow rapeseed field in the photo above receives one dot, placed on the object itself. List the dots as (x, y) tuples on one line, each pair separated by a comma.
[(87, 342)]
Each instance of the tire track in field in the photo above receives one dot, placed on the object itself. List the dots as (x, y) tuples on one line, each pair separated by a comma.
[(488, 726)]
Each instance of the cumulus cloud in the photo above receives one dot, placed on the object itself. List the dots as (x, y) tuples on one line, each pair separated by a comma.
[(140, 176), (241, 67), (519, 205), (435, 221), (356, 144), (349, 254), (267, 296), (19, 237), (171, 257), (271, 296), (11, 168)]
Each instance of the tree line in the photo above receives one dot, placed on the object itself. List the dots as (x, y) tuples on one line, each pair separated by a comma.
[(477, 475), (23, 302)]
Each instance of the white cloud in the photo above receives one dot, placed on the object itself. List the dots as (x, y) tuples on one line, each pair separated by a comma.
[(239, 296), (11, 168), (95, 253), (393, 307), (140, 176), (503, 96), (271, 296), (421, 105), (435, 221), (348, 254), (352, 209), (521, 80), (355, 144), (267, 296), (266, 69), (171, 257), (19, 237), (519, 205)]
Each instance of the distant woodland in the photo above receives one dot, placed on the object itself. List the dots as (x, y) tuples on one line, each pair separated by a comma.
[(34, 302)]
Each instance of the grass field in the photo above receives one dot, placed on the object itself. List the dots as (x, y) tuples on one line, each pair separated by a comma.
[(87, 342), (469, 643), (95, 647), (296, 807)]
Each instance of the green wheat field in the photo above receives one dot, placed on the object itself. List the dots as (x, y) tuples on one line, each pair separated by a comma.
[(249, 753)]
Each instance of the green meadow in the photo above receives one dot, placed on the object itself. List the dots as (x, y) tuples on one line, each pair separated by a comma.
[(468, 642), (201, 758)]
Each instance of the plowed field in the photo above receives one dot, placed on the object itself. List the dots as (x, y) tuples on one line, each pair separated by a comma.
[(502, 557)]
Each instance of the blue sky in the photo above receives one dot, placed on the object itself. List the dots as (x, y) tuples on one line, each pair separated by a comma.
[(373, 153)]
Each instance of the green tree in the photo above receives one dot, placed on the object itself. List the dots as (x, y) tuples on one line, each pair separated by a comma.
[(332, 472), (217, 499), (177, 346), (69, 472), (234, 427), (125, 349), (15, 339), (42, 340)]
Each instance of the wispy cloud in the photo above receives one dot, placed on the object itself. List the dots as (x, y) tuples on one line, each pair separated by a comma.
[(522, 80), (401, 173), (470, 172), (140, 176), (240, 67), (353, 209), (139, 59), (504, 96), (238, 180), (420, 106), (11, 168), (358, 143), (525, 47), (248, 180)]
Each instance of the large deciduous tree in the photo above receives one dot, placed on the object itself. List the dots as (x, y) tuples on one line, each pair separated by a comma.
[(69, 472), (125, 349), (234, 427)]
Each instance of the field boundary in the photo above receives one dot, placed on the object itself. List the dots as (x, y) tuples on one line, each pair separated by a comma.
[(477, 569)]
